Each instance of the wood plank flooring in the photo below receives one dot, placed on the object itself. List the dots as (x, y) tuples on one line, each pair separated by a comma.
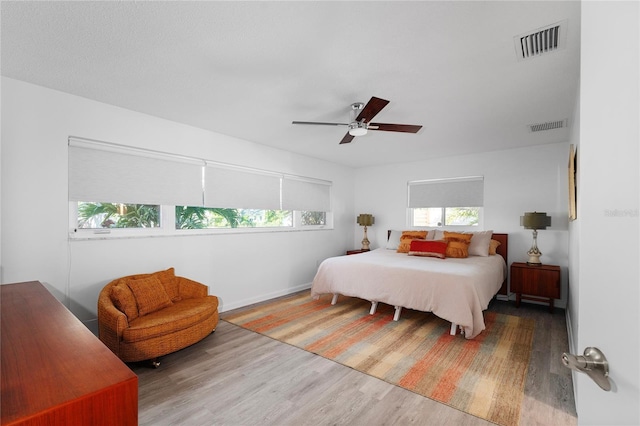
[(237, 377)]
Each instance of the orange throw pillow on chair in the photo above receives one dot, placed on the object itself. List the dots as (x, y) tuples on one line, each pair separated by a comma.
[(150, 295)]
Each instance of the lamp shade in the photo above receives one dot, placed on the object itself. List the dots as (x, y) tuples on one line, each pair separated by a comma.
[(365, 220), (535, 220)]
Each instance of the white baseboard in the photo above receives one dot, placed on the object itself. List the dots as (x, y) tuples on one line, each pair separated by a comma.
[(261, 298)]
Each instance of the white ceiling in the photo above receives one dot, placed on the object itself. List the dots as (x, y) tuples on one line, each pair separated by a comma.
[(247, 69)]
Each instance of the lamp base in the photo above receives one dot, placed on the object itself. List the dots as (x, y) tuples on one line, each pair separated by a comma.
[(534, 253), (534, 258), (365, 240)]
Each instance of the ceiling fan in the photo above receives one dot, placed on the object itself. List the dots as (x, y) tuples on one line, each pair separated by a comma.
[(361, 116)]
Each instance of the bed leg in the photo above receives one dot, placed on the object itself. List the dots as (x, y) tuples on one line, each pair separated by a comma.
[(396, 315), (335, 299), (454, 329), (374, 306)]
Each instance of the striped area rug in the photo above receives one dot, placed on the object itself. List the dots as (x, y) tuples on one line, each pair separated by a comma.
[(484, 377)]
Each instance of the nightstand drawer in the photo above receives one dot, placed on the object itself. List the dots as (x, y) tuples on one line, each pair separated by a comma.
[(542, 282)]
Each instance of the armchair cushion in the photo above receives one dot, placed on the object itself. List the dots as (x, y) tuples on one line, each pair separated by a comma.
[(170, 282), (150, 295), (123, 299), (176, 317)]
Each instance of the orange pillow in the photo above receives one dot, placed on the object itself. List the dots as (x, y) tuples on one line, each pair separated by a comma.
[(407, 237), (457, 244), (124, 300), (493, 246), (170, 283), (428, 248), (150, 295)]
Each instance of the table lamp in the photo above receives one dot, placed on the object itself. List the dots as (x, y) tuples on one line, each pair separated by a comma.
[(365, 220), (535, 221)]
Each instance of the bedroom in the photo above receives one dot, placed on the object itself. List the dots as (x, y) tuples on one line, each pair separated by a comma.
[(34, 168)]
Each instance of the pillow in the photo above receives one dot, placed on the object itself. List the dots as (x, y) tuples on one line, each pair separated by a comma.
[(428, 248), (457, 244), (493, 246), (124, 300), (150, 295), (438, 234), (169, 282), (407, 236), (394, 240), (480, 243)]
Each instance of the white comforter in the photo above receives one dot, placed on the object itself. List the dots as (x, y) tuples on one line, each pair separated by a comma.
[(457, 290)]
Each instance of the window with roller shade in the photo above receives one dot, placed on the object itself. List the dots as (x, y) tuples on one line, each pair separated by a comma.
[(446, 202), (113, 187)]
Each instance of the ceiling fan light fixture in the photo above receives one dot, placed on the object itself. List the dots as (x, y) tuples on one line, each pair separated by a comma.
[(357, 129)]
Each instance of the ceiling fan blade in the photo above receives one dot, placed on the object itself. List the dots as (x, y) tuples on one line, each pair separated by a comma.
[(406, 128), (320, 123), (347, 138), (371, 109)]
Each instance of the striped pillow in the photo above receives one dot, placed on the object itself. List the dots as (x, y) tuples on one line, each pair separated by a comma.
[(407, 236), (457, 244)]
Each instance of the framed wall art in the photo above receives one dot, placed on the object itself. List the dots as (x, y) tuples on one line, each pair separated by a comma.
[(572, 182)]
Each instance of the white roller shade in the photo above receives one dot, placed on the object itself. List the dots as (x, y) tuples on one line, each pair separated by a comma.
[(306, 194), (456, 192), (239, 188), (100, 172)]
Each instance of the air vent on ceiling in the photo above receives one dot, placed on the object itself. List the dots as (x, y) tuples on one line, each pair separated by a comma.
[(541, 41), (550, 125)]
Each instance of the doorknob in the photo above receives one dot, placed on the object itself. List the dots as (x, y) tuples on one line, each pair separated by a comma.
[(593, 363)]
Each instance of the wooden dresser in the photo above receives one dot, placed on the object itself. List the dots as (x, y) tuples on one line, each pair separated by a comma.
[(54, 370)]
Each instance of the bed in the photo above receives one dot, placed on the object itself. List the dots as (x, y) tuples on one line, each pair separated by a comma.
[(456, 290)]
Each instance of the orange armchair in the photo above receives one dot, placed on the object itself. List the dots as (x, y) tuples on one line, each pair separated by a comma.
[(142, 317)]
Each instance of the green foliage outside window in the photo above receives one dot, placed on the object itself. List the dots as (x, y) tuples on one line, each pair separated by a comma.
[(113, 215), (314, 218), (462, 216), (204, 217)]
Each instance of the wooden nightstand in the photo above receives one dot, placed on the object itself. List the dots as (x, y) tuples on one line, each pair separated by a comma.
[(539, 283), (357, 251)]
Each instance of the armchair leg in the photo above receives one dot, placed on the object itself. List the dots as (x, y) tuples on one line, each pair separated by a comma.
[(155, 363)]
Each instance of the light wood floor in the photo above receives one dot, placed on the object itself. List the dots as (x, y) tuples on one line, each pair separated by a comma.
[(237, 377)]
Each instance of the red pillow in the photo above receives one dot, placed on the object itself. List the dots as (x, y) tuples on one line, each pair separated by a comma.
[(428, 248)]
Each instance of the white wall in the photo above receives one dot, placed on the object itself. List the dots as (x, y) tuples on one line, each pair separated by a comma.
[(239, 268), (515, 181)]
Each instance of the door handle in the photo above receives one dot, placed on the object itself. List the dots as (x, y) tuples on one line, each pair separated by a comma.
[(593, 363)]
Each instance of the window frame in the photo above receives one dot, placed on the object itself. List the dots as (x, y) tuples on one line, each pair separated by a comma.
[(479, 225), (167, 227)]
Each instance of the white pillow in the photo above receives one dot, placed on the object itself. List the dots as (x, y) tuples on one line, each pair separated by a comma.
[(438, 234), (394, 240), (480, 243)]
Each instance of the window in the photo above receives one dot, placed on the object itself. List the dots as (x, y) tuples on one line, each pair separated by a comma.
[(446, 216), (145, 192), (313, 218), (211, 218), (446, 202), (117, 215)]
